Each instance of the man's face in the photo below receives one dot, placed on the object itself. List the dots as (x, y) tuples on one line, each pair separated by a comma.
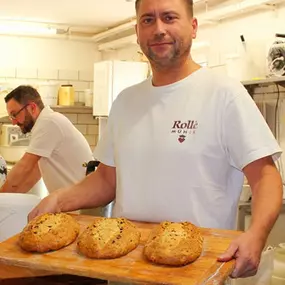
[(165, 30), (20, 116)]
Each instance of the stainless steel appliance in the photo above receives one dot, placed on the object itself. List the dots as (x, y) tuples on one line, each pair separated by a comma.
[(106, 211)]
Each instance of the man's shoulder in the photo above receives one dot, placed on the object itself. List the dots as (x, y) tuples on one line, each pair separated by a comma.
[(52, 121), (54, 117), (223, 85)]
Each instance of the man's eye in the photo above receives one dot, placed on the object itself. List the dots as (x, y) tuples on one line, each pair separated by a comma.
[(147, 20), (169, 18)]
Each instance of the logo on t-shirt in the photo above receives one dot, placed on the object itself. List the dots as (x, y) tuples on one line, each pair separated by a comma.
[(183, 129)]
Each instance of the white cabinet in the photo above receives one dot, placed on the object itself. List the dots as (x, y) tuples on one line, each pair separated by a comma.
[(110, 78)]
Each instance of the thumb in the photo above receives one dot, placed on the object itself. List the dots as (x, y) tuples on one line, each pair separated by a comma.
[(229, 254), (32, 214)]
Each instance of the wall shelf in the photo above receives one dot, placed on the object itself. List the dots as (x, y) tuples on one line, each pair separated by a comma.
[(73, 109), (252, 84)]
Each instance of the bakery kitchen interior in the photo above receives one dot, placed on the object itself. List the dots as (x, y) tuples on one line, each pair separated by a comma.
[(80, 55)]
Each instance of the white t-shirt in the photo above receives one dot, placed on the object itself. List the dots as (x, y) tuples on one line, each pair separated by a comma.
[(63, 150), (179, 149)]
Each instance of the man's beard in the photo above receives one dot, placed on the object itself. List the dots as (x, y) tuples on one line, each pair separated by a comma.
[(28, 124), (176, 50)]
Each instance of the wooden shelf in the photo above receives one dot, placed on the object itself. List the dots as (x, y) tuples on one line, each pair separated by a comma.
[(73, 109), (252, 84)]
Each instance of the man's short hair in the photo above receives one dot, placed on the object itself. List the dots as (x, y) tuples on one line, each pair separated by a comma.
[(25, 94), (189, 4)]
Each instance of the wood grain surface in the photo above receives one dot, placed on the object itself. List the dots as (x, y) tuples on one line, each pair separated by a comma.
[(132, 268)]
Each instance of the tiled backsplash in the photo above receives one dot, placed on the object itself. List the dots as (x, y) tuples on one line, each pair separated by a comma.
[(81, 117), (80, 79)]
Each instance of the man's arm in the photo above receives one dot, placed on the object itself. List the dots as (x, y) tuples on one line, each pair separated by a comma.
[(266, 184), (23, 175), (95, 190), (267, 192), (32, 179)]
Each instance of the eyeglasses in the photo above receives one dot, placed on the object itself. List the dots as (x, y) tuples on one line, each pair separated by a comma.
[(14, 116)]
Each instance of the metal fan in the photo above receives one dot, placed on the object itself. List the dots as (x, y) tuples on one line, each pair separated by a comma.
[(276, 57)]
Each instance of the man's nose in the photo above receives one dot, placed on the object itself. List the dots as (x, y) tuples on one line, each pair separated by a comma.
[(159, 28)]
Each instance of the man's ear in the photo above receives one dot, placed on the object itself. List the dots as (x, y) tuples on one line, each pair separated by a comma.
[(136, 28), (194, 28)]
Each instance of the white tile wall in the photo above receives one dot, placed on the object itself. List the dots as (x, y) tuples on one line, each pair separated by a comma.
[(72, 118), (80, 85), (86, 75), (76, 96), (92, 129), (86, 119), (91, 139), (81, 97), (47, 74), (8, 72), (68, 74), (34, 76), (27, 73), (82, 129)]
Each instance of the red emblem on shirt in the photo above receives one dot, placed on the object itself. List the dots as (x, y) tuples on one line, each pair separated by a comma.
[(181, 139)]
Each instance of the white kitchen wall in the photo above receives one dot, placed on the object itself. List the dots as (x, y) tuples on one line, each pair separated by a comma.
[(47, 53), (25, 60), (127, 53), (258, 29)]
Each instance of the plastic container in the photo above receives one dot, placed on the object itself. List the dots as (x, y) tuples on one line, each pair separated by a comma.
[(49, 93), (66, 95), (88, 97), (14, 210)]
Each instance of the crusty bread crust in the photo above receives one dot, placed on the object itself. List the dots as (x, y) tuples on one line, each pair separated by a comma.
[(49, 232), (175, 244), (108, 238)]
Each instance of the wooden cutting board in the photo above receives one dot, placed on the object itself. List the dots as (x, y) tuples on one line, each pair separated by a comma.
[(132, 268)]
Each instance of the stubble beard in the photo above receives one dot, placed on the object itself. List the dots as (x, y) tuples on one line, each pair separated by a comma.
[(171, 59), (28, 124)]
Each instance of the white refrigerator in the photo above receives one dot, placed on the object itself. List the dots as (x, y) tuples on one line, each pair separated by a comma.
[(110, 78)]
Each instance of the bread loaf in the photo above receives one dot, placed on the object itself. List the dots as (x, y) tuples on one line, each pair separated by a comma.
[(49, 232), (108, 238), (175, 244)]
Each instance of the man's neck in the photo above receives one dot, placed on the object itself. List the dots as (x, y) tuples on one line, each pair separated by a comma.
[(169, 75), (38, 112)]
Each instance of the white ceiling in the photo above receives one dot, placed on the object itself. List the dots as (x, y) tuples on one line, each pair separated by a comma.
[(95, 13), (85, 19)]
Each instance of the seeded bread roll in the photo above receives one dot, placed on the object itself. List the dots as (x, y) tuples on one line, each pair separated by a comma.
[(108, 238), (49, 232), (175, 244)]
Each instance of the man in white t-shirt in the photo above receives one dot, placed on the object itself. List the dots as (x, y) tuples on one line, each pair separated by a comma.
[(57, 150), (177, 145)]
